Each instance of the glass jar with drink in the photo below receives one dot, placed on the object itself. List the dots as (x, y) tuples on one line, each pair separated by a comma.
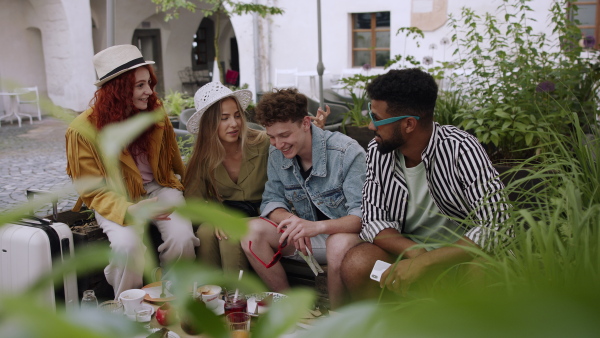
[(233, 304), (239, 324)]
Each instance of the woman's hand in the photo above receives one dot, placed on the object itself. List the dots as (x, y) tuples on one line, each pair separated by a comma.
[(220, 234), (321, 117), (149, 208)]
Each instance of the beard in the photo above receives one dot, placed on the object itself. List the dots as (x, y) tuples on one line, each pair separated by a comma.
[(387, 146)]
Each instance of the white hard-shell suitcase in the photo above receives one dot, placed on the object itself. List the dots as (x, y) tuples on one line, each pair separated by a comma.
[(28, 250)]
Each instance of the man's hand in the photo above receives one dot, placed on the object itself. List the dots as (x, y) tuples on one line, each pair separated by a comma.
[(400, 276), (321, 117), (294, 228), (302, 244)]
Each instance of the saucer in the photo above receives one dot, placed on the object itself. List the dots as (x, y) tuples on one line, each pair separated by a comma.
[(154, 289), (145, 306), (171, 334)]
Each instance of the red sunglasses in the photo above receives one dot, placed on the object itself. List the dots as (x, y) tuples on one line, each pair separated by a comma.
[(277, 255)]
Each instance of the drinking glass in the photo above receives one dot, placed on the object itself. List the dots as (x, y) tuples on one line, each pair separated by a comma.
[(143, 315), (239, 324), (238, 304), (89, 300)]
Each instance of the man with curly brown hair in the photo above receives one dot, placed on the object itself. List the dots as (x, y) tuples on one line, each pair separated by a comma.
[(312, 196)]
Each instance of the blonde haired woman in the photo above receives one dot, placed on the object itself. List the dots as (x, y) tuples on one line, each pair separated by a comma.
[(228, 165)]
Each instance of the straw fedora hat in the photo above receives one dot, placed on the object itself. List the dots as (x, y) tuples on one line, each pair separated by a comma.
[(116, 60), (210, 93)]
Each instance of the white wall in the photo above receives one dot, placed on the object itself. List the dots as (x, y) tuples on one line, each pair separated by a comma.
[(48, 43), (21, 58), (294, 34), (243, 28)]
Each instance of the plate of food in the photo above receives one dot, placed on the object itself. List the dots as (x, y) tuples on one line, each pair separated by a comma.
[(154, 290), (262, 300)]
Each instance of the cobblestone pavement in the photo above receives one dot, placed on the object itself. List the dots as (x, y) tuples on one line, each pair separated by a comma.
[(33, 157)]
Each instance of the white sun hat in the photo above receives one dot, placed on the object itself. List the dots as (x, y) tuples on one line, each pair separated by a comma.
[(210, 93), (116, 60)]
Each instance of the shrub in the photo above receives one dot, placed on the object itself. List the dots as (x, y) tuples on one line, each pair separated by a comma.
[(175, 102), (517, 76)]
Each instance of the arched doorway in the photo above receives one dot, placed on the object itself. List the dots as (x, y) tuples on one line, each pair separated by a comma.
[(148, 41), (203, 50)]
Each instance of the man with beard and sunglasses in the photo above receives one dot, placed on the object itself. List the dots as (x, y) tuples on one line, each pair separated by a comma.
[(431, 192), (312, 195)]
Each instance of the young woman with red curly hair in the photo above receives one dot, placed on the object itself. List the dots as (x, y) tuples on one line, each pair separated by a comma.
[(151, 166)]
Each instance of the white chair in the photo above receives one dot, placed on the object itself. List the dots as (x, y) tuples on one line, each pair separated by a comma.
[(286, 78), (25, 96)]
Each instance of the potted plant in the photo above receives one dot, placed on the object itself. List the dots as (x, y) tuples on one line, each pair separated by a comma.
[(174, 103), (356, 121)]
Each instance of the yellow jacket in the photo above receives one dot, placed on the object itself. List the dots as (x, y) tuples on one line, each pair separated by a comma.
[(83, 161)]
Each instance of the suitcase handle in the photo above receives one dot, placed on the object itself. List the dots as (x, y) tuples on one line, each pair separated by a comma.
[(32, 192)]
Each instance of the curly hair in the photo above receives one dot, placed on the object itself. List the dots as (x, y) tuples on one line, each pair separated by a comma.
[(406, 92), (281, 105), (113, 102)]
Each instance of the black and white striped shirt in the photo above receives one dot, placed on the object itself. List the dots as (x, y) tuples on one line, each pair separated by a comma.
[(461, 179)]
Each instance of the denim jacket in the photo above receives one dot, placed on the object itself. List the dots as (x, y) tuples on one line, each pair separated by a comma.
[(334, 185)]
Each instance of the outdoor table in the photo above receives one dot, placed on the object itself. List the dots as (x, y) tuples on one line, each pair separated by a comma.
[(13, 107), (176, 327)]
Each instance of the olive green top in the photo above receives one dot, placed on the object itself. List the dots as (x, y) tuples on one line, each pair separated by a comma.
[(252, 177)]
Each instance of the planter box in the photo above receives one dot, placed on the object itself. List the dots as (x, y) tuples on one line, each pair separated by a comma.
[(174, 121), (507, 175)]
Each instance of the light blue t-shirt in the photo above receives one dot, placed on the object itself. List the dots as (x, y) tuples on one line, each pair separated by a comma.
[(424, 222)]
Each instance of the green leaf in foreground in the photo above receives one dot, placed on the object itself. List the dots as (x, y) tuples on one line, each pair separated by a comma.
[(231, 221), (284, 314)]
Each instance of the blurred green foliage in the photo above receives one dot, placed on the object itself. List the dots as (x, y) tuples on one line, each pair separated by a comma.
[(544, 283), (175, 102), (356, 85)]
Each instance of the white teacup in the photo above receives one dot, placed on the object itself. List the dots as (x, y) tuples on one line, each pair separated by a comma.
[(132, 300), (210, 295)]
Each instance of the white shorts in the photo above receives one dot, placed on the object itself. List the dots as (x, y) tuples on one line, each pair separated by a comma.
[(318, 249)]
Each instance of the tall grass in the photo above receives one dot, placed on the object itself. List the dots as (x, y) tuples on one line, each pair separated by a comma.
[(557, 240), (543, 284)]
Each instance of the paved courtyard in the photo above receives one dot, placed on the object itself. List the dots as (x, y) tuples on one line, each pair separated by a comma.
[(33, 157)]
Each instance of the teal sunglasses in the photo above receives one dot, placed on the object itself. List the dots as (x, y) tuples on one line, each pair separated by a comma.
[(378, 123)]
